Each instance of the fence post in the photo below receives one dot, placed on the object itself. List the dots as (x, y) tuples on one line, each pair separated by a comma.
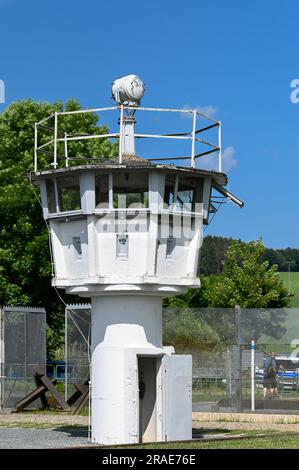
[(252, 375), (65, 356), (238, 361)]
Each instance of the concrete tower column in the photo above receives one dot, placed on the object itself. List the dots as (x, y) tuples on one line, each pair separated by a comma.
[(124, 327)]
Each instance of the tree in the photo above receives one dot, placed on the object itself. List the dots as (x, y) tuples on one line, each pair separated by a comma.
[(212, 255), (193, 298), (252, 284), (247, 281), (185, 330), (25, 264)]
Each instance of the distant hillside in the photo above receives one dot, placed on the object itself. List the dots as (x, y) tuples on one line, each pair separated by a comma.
[(214, 250)]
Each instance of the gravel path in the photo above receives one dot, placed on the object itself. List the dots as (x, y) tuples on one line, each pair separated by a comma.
[(11, 438), (42, 431)]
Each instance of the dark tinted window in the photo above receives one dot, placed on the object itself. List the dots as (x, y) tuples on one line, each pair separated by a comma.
[(69, 193), (51, 200), (169, 191), (102, 190), (130, 190), (190, 192)]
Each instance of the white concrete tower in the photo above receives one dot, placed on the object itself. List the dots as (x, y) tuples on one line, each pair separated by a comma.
[(126, 233)]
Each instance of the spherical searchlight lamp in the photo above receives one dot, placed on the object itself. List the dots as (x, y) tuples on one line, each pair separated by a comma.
[(128, 90)]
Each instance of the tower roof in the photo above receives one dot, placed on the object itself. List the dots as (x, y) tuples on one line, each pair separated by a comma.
[(131, 163)]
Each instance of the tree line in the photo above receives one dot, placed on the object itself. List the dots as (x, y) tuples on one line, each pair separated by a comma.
[(214, 249)]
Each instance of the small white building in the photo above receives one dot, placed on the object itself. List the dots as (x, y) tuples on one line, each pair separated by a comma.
[(126, 233)]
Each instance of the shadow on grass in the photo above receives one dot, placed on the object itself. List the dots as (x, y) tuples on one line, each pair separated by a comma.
[(201, 432)]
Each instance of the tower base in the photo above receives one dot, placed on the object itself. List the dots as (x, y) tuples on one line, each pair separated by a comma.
[(140, 391)]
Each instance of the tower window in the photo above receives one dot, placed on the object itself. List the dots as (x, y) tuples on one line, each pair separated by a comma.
[(130, 190), (69, 193), (190, 192), (102, 191), (169, 191), (51, 200)]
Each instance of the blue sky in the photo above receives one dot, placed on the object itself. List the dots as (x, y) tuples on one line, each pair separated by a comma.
[(234, 57)]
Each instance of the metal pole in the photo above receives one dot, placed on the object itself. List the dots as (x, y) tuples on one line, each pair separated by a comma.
[(121, 134), (55, 140), (238, 365), (25, 342), (66, 150), (289, 273), (193, 140), (89, 412), (252, 376), (220, 150), (35, 147)]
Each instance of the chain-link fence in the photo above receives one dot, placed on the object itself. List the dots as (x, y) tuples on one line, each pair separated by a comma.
[(77, 345), (227, 374), (22, 351)]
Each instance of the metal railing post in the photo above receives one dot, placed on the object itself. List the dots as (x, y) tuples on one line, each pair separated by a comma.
[(55, 139), (193, 140), (220, 149), (66, 150), (35, 147)]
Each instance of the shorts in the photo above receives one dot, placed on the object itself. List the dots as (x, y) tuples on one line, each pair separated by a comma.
[(270, 382)]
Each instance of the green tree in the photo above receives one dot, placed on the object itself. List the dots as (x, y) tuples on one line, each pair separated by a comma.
[(25, 264), (193, 298), (185, 330), (212, 255), (255, 286), (247, 281)]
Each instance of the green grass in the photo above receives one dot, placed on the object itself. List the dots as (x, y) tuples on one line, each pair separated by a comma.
[(294, 286), (256, 441)]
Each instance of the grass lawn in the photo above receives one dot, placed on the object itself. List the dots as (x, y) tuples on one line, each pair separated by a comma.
[(294, 286), (277, 441)]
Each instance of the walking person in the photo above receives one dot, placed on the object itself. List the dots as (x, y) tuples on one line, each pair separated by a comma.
[(271, 375)]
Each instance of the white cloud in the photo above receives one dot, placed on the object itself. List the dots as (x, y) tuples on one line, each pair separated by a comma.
[(229, 160), (208, 110)]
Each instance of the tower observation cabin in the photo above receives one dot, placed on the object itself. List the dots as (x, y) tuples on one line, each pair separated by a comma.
[(126, 231)]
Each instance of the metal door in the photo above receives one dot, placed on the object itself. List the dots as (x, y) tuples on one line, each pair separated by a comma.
[(177, 397)]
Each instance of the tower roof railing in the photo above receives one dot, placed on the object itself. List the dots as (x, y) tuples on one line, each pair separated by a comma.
[(57, 140)]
